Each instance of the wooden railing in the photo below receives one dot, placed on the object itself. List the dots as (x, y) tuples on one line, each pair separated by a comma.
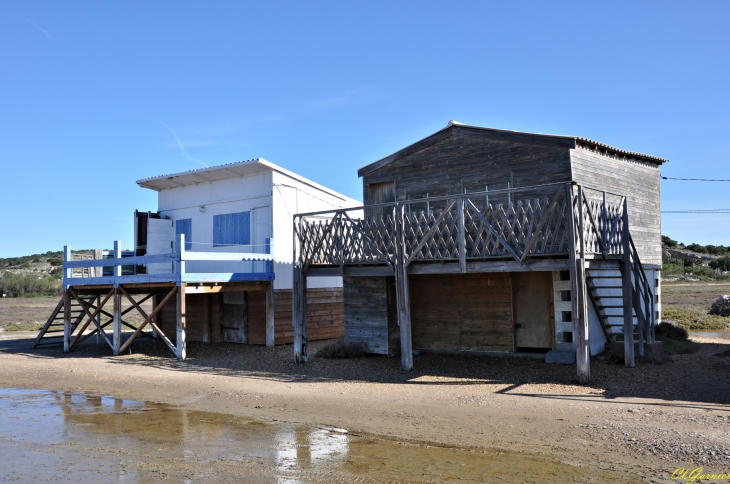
[(457, 228), (177, 274)]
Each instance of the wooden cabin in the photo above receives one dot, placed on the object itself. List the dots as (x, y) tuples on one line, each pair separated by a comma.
[(216, 259), (487, 241)]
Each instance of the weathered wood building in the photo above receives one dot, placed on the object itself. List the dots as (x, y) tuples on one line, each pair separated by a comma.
[(485, 240), (215, 258)]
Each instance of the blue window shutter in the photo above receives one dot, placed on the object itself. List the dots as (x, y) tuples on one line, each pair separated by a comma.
[(232, 229), (185, 227)]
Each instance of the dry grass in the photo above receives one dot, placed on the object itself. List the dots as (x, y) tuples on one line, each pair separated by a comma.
[(688, 305)]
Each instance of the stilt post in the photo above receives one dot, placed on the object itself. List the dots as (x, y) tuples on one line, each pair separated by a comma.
[(181, 323), (462, 235), (66, 321), (402, 296), (629, 360), (299, 312), (578, 299), (117, 320), (270, 314), (206, 318)]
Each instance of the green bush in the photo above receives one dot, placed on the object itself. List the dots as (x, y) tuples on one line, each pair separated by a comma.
[(723, 263), (672, 331), (669, 242), (26, 285)]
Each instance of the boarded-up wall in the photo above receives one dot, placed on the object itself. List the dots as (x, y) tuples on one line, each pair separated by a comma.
[(462, 312), (201, 310), (366, 312), (325, 315)]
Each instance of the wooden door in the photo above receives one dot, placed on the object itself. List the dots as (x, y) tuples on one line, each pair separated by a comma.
[(383, 192), (234, 317), (533, 309)]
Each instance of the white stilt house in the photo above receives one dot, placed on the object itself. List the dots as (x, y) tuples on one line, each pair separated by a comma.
[(220, 243)]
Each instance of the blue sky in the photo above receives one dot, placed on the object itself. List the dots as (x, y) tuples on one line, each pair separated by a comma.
[(95, 95)]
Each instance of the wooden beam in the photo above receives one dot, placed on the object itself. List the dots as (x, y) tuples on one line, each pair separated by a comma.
[(353, 271), (92, 317), (582, 343), (117, 323), (270, 314), (531, 265), (66, 321), (299, 315), (403, 305), (629, 361), (181, 324), (206, 318), (147, 319)]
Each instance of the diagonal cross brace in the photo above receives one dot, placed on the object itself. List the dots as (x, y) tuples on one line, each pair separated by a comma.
[(369, 241), (428, 235), (546, 216), (491, 228)]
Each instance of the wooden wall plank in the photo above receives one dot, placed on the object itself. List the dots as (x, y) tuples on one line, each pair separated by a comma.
[(366, 312), (462, 312)]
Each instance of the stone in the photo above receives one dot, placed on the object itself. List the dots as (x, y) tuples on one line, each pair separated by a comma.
[(560, 357)]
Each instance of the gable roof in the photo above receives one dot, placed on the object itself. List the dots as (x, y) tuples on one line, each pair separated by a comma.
[(223, 172), (454, 128)]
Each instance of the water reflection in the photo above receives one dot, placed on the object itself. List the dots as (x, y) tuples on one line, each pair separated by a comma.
[(70, 435)]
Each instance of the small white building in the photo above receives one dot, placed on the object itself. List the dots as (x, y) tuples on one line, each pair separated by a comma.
[(243, 207), (216, 257)]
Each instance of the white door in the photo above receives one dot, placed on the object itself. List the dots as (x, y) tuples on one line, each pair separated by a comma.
[(160, 240)]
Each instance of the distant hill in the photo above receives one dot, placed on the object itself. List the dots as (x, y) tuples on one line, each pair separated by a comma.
[(48, 263)]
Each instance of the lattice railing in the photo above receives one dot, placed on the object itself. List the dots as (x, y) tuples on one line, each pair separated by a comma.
[(466, 228)]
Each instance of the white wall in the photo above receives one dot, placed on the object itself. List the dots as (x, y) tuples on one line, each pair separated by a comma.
[(291, 196), (240, 194), (272, 197)]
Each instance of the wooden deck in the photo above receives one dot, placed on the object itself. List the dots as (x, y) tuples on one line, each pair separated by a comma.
[(465, 233)]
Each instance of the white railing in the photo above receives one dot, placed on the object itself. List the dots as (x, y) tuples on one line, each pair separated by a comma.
[(178, 273)]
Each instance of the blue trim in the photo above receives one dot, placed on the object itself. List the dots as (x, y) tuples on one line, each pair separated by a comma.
[(185, 226), (232, 229)]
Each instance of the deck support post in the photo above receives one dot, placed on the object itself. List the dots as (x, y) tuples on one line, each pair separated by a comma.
[(181, 323), (299, 315), (66, 321), (206, 318), (402, 295), (578, 299), (629, 360), (270, 314), (462, 235), (117, 321)]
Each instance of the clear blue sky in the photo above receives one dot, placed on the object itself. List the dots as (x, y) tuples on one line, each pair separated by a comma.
[(91, 93)]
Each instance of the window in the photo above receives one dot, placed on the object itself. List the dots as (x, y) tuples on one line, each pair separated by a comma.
[(185, 227), (232, 229)]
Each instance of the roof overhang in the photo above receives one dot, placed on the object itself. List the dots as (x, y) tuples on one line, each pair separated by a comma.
[(224, 172), (455, 128)]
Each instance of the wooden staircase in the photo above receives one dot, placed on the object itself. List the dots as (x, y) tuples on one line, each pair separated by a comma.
[(605, 288), (52, 332)]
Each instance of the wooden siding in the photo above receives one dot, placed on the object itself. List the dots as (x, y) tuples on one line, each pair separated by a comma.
[(461, 162), (366, 312), (325, 315), (462, 312), (197, 315), (639, 181)]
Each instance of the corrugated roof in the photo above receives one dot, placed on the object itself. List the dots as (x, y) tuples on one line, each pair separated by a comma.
[(223, 172)]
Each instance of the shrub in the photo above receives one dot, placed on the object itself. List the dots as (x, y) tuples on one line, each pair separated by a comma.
[(338, 349), (24, 285), (668, 242), (723, 263), (671, 331)]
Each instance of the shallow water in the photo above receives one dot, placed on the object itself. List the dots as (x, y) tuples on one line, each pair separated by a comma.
[(711, 334), (50, 436)]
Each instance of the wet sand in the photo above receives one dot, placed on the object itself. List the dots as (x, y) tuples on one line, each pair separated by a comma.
[(53, 436), (642, 422)]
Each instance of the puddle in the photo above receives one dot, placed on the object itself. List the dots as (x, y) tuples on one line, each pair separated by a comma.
[(53, 436), (711, 334)]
